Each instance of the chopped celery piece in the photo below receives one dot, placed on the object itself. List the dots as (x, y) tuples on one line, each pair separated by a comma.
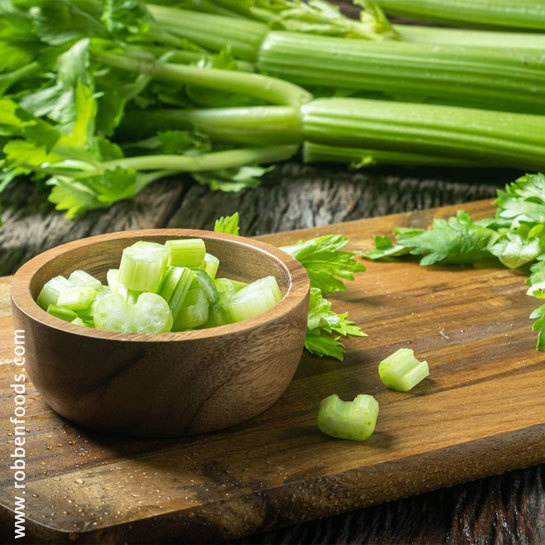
[(150, 314), (175, 288), (81, 278), (195, 311), (217, 316), (188, 252), (87, 314), (210, 265), (207, 284), (402, 371), (112, 277), (254, 299), (353, 420), (49, 294), (227, 288), (63, 313), (79, 321), (142, 266), (77, 298), (170, 281)]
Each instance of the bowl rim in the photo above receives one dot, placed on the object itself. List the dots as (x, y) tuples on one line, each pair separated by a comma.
[(21, 297)]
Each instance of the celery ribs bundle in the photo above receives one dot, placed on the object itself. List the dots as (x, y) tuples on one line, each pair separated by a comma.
[(101, 98)]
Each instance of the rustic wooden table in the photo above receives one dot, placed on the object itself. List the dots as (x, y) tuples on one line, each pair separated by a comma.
[(499, 510)]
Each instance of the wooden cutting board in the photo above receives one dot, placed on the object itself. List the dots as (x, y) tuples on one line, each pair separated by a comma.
[(482, 412)]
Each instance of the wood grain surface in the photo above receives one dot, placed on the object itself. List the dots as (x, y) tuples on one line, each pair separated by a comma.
[(481, 413)]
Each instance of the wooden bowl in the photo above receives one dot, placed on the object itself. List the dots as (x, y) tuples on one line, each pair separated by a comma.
[(164, 384)]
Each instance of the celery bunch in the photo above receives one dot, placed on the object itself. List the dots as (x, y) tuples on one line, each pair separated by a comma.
[(98, 99)]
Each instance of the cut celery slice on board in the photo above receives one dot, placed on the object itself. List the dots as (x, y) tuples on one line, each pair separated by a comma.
[(355, 420), (401, 371)]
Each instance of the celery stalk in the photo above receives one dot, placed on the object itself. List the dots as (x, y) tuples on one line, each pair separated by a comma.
[(255, 125), (515, 14), (354, 420), (321, 153), (514, 41), (499, 138), (186, 252), (448, 74), (242, 36), (401, 371), (269, 89)]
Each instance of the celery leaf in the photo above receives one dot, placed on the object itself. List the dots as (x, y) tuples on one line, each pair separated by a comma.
[(326, 264)]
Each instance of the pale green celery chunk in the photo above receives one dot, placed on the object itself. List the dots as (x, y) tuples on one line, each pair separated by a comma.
[(77, 298), (217, 316), (81, 278), (401, 371), (150, 314), (227, 288), (51, 290), (112, 277), (355, 420), (79, 321), (210, 265), (63, 313), (254, 299), (208, 285), (194, 312), (175, 288), (188, 252), (142, 266)]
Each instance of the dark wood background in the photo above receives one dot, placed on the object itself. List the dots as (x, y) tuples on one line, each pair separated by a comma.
[(509, 509)]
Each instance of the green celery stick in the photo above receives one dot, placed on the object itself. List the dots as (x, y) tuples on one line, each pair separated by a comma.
[(355, 420), (210, 265), (207, 284), (142, 266), (194, 311), (79, 321), (189, 252), (254, 299), (63, 313), (81, 278), (49, 294), (401, 371), (175, 288), (77, 298), (150, 314)]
